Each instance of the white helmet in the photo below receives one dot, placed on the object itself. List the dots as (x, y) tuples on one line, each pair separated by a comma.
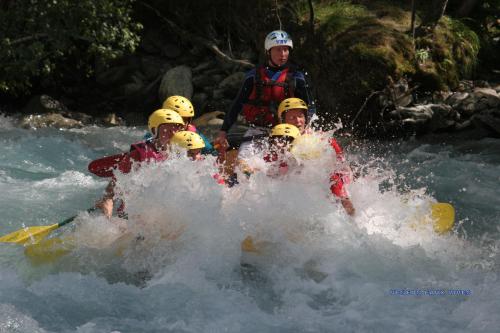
[(277, 38)]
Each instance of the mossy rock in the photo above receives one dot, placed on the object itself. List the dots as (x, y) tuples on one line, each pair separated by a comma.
[(360, 61), (452, 49)]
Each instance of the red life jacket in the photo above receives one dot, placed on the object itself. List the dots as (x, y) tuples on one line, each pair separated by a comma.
[(266, 92), (140, 152)]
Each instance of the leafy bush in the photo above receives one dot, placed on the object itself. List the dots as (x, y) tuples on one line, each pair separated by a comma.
[(45, 41)]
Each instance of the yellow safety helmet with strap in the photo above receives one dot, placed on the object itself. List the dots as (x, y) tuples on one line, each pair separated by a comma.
[(188, 140), (286, 130), (163, 116), (289, 104), (180, 104)]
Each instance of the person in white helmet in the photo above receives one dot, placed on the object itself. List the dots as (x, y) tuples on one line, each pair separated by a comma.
[(262, 91)]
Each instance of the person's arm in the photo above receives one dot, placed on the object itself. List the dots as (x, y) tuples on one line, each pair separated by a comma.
[(303, 91), (106, 203), (338, 180), (230, 118), (337, 189), (348, 206), (242, 97), (338, 150)]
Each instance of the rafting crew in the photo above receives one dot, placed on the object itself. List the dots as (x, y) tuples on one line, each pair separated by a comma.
[(273, 93)]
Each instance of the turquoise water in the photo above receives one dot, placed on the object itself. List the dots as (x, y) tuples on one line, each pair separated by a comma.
[(318, 271)]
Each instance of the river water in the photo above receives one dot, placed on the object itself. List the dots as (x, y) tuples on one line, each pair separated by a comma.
[(176, 264)]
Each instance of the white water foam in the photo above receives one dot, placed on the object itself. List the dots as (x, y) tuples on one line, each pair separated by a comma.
[(318, 269)]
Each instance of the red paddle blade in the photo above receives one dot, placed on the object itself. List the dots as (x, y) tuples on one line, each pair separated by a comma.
[(104, 167)]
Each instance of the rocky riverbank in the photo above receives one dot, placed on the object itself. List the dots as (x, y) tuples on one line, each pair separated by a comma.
[(474, 107), (366, 68)]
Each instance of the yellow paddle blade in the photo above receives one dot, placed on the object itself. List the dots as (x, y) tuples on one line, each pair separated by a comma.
[(443, 215), (28, 234), (248, 245), (48, 250)]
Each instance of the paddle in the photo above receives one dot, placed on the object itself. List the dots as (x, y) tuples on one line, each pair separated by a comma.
[(36, 233), (443, 215), (49, 250)]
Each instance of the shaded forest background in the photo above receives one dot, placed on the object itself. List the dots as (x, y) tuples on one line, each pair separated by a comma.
[(108, 56)]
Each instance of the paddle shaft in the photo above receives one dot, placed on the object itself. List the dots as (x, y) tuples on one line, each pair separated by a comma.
[(236, 140), (70, 219)]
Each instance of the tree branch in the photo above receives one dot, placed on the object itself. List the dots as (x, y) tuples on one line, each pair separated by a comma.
[(28, 38), (311, 17), (187, 36), (412, 27)]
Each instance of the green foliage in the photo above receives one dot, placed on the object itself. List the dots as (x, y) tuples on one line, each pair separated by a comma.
[(45, 41), (422, 55), (453, 49), (466, 46), (337, 16), (361, 60)]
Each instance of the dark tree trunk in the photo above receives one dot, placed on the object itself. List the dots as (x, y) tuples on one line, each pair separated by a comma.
[(440, 9), (413, 12), (466, 7), (311, 17), (433, 12)]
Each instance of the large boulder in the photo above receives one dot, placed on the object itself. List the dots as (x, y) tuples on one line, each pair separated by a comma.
[(231, 84), (353, 65), (424, 118), (135, 84), (44, 104), (171, 51), (444, 117), (204, 66), (152, 67), (489, 120), (211, 118), (48, 120), (497, 88), (488, 96), (199, 101), (456, 99), (176, 81), (475, 101)]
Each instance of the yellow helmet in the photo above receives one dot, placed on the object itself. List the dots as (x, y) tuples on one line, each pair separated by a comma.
[(188, 140), (285, 130), (291, 103), (163, 116), (180, 104)]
